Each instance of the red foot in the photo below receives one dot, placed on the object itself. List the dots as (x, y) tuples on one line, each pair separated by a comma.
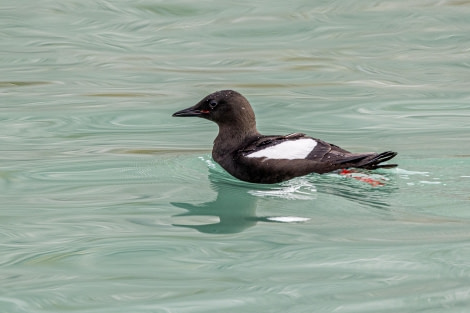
[(365, 179)]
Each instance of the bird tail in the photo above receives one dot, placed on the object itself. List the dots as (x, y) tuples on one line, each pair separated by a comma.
[(370, 161)]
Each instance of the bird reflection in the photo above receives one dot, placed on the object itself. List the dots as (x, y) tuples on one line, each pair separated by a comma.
[(234, 206)]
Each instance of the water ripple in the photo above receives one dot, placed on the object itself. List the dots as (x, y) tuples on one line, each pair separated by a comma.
[(110, 205)]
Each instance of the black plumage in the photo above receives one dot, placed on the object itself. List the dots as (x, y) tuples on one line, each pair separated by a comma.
[(238, 142)]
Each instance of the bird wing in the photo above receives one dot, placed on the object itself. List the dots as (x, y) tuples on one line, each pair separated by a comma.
[(326, 156), (293, 146), (268, 141)]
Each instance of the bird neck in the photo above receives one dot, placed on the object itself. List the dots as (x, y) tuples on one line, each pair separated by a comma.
[(231, 138)]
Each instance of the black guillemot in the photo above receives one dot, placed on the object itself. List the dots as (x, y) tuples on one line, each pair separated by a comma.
[(247, 155)]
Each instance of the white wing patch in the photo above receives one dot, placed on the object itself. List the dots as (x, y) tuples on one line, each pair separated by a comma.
[(290, 150)]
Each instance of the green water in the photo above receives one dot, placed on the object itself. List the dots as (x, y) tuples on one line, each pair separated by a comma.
[(108, 204)]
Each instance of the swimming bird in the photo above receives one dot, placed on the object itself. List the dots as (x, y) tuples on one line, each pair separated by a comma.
[(250, 156)]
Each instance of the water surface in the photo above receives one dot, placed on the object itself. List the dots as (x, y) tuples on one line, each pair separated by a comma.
[(110, 205)]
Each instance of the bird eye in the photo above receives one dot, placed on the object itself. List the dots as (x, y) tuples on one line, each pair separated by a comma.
[(212, 104)]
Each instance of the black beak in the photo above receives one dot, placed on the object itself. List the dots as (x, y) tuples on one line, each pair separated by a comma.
[(190, 112)]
